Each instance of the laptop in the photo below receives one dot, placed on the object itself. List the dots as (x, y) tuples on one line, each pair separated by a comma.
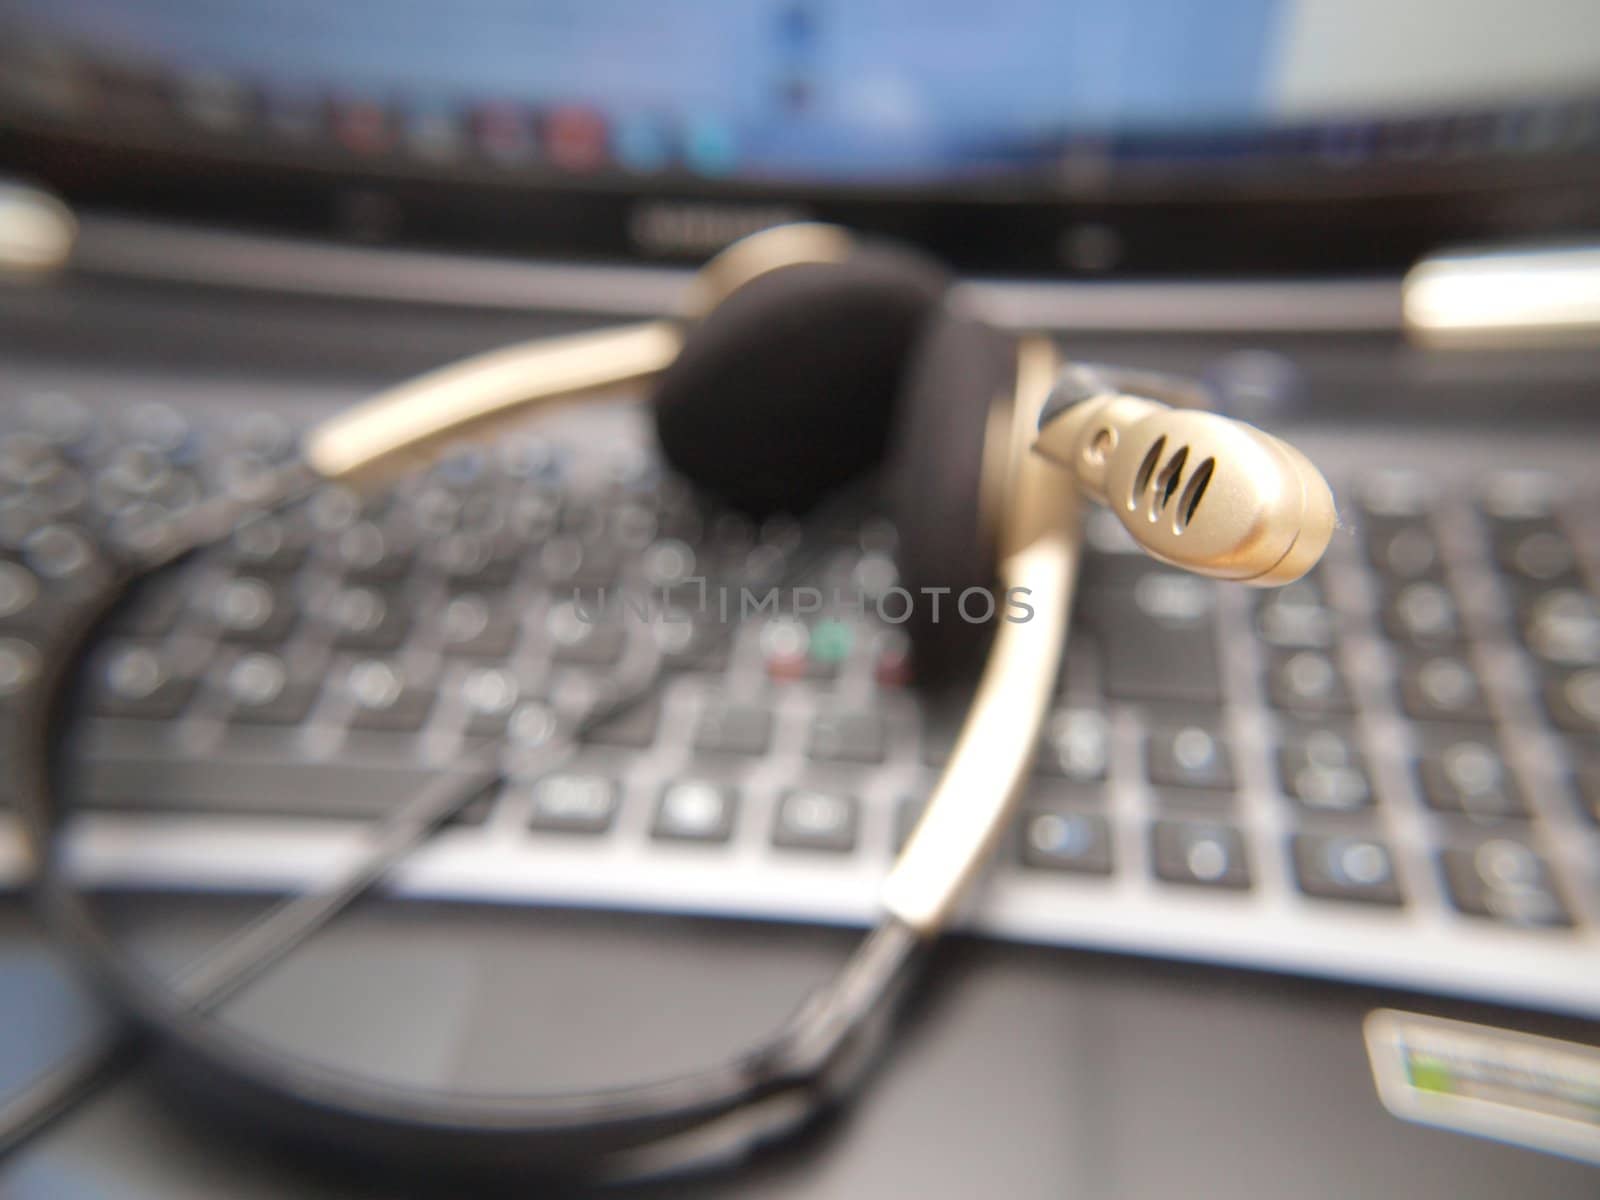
[(1303, 893)]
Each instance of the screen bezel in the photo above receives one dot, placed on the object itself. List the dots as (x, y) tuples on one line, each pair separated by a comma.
[(1162, 222)]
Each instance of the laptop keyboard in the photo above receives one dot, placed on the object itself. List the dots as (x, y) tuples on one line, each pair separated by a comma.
[(1385, 772)]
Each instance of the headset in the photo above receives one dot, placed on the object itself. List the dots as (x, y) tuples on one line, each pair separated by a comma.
[(804, 360)]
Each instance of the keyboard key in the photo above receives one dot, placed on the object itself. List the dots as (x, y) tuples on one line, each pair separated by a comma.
[(1572, 699), (1054, 840), (1189, 756), (690, 643), (268, 544), (1199, 852), (1403, 550), (1470, 778), (367, 553), (1534, 552), (251, 609), (727, 728), (489, 695), (1423, 613), (1504, 880), (1442, 688), (382, 697), (260, 690), (855, 737), (814, 820), (1307, 682), (581, 636), (1325, 773), (141, 682), (1333, 867), (474, 560), (1562, 627), (1517, 495), (1158, 642), (339, 790), (475, 624), (632, 729), (364, 618), (1396, 494), (1075, 745), (695, 811), (1295, 618), (574, 804)]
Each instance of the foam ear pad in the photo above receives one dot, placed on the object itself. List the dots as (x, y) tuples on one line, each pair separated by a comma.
[(958, 369), (786, 390)]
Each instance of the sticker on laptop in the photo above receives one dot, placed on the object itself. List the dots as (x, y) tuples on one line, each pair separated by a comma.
[(1513, 1087)]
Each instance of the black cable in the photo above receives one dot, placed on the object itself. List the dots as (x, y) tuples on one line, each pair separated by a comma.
[(802, 1062)]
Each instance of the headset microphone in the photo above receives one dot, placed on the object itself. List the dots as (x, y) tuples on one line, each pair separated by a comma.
[(1195, 489)]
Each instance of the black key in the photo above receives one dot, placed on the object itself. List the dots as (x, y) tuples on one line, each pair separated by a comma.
[(856, 737), (1059, 840), (1295, 618), (1404, 550), (728, 728), (1562, 627), (251, 609), (367, 552), (1325, 773), (1573, 700), (1395, 494), (489, 695), (1504, 880), (365, 618), (261, 690), (814, 820), (474, 560), (383, 698), (1469, 777), (341, 790), (1189, 756), (1158, 641), (1442, 687), (1199, 852), (61, 554), (632, 729), (1307, 682), (269, 544), (1422, 613), (574, 804), (475, 624), (1535, 552), (1075, 745), (689, 643), (580, 635), (695, 811), (142, 682), (566, 562), (1334, 867)]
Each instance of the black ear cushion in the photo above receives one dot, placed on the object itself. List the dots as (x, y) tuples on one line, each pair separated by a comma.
[(786, 390), (959, 367)]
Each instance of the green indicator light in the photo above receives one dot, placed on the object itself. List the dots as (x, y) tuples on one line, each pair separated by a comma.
[(830, 642), (1430, 1075)]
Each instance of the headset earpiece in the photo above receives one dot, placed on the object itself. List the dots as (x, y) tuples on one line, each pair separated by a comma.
[(785, 391)]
